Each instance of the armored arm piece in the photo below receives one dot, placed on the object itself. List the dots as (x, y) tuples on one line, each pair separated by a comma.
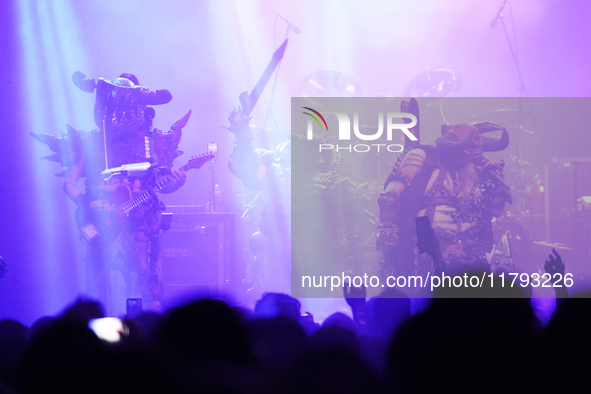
[(158, 97), (389, 202), (387, 235), (166, 148), (73, 151), (71, 148), (244, 162), (86, 85), (71, 177), (166, 143)]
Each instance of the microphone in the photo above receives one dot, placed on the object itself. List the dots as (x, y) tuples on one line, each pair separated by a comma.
[(493, 24), (295, 29), (491, 171)]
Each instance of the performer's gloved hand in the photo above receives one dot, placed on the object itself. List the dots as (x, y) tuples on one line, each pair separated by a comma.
[(430, 244), (239, 124), (86, 85), (178, 179)]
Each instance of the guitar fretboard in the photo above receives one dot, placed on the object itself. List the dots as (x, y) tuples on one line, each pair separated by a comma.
[(145, 196)]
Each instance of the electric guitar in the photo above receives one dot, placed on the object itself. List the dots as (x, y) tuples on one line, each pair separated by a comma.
[(101, 228)]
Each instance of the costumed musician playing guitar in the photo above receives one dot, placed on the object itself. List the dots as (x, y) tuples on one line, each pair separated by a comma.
[(120, 218)]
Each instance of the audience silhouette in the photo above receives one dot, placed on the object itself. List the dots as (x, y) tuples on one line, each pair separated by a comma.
[(465, 340)]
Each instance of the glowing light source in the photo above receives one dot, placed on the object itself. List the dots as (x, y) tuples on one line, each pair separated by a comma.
[(50, 51)]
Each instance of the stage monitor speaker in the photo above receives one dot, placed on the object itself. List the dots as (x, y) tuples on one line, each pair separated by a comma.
[(198, 253)]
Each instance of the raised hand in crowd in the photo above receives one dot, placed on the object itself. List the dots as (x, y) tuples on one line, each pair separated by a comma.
[(556, 268), (355, 297)]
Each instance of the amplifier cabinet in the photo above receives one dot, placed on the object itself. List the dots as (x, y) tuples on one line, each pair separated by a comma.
[(566, 180), (198, 253)]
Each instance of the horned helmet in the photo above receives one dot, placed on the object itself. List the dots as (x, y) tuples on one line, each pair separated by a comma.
[(467, 141)]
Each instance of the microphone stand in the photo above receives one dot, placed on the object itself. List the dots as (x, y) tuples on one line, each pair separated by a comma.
[(152, 285), (522, 92), (270, 110)]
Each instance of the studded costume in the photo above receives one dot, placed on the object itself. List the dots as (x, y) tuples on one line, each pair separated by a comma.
[(121, 112), (458, 189)]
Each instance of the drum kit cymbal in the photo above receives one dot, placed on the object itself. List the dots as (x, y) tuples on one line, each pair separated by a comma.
[(435, 82), (329, 83)]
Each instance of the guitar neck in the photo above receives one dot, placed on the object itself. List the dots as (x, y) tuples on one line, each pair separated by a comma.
[(145, 196)]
